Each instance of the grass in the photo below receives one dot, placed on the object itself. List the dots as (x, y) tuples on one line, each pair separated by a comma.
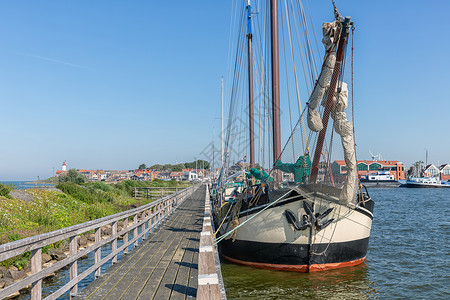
[(53, 210)]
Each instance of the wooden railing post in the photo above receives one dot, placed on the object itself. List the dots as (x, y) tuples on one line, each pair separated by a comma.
[(73, 248), (98, 252), (125, 237), (114, 242), (144, 228), (36, 266), (135, 221)]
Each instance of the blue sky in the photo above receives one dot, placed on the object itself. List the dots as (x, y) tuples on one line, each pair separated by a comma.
[(112, 84)]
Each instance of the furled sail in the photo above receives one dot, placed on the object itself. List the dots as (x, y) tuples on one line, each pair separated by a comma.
[(330, 39), (345, 129)]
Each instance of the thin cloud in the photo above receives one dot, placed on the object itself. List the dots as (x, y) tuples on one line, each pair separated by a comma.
[(56, 61)]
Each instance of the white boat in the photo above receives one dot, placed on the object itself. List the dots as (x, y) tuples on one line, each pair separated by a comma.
[(426, 182), (379, 179)]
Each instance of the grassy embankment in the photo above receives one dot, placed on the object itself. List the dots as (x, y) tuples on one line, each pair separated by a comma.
[(52, 210)]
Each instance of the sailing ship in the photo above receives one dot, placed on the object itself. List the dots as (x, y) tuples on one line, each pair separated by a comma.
[(296, 216)]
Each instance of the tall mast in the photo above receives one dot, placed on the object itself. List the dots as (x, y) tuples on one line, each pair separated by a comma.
[(223, 161), (275, 83), (329, 103), (250, 84)]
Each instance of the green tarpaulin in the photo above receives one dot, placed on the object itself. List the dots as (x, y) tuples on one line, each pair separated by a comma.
[(300, 169), (263, 176)]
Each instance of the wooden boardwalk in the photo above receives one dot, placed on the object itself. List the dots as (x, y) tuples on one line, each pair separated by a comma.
[(164, 266)]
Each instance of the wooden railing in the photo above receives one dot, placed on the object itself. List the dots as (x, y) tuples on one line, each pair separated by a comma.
[(145, 219), (153, 192), (210, 283)]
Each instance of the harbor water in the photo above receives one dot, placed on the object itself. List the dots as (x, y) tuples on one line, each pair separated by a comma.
[(20, 185), (408, 257)]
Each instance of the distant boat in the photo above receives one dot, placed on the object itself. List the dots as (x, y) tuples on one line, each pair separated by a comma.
[(426, 182), (379, 179)]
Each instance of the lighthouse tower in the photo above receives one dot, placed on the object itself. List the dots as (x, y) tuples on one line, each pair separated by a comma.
[(64, 166)]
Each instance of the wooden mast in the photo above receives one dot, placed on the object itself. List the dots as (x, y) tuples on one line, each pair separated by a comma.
[(275, 85), (329, 103), (250, 85)]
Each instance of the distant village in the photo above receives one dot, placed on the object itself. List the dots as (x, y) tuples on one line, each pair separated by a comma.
[(338, 167), (188, 174)]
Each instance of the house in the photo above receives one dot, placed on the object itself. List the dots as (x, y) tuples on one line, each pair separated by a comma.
[(86, 173), (164, 175), (176, 175), (396, 168), (137, 178), (431, 171), (444, 172), (189, 176), (59, 173)]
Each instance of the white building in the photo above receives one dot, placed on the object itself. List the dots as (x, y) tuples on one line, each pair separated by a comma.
[(189, 176)]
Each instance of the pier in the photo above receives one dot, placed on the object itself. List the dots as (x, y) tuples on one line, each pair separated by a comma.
[(175, 258)]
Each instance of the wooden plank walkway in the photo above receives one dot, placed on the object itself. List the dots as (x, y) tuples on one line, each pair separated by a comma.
[(162, 267)]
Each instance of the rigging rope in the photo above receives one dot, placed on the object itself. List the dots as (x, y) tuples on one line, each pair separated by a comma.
[(303, 138), (353, 106), (287, 76)]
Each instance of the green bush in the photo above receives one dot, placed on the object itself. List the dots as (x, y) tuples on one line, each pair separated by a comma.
[(88, 194), (5, 189), (72, 176)]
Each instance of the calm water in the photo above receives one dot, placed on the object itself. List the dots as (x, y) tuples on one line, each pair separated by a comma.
[(18, 185), (408, 257)]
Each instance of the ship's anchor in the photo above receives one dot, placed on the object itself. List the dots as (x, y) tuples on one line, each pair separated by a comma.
[(309, 218)]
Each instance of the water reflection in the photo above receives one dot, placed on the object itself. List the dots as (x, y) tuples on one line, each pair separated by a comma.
[(249, 283)]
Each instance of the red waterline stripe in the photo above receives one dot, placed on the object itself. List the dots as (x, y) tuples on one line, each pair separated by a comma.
[(297, 268)]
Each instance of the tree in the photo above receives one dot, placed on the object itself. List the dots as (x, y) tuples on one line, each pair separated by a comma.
[(178, 167), (201, 164), (157, 167), (72, 176), (167, 167), (142, 167)]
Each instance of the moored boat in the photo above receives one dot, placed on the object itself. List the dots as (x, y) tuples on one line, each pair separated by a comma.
[(426, 182), (381, 179), (297, 216)]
